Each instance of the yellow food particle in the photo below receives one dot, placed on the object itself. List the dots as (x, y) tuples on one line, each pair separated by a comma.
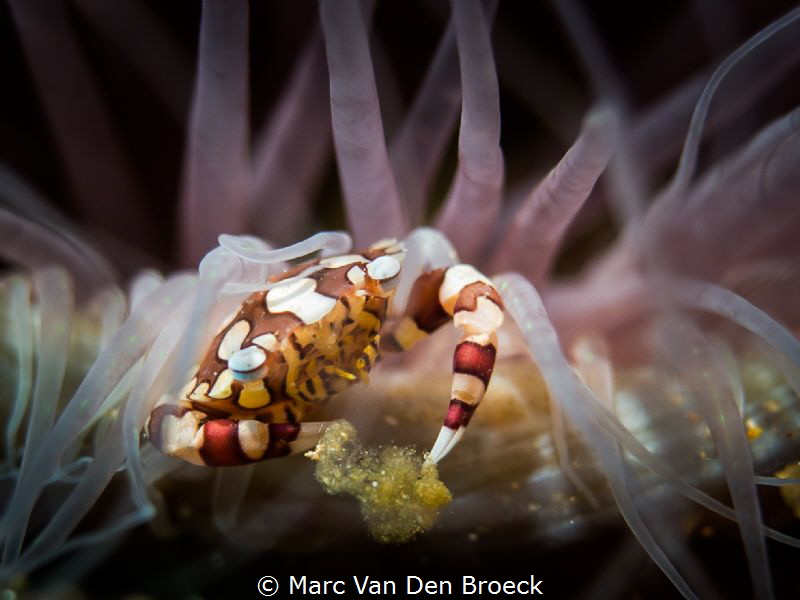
[(753, 430), (400, 495)]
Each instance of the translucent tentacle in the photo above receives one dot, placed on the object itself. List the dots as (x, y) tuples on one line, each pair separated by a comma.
[(745, 193), (474, 198), (230, 487), (55, 303), (626, 178), (681, 179), (217, 164), (527, 310), (538, 227), (53, 539), (753, 158), (330, 242), (517, 295), (426, 249), (34, 235), (614, 427), (249, 288), (20, 318), (652, 132), (141, 286), (702, 373), (157, 374), (776, 481), (374, 209), (718, 300), (558, 426), (52, 289), (124, 350), (112, 309)]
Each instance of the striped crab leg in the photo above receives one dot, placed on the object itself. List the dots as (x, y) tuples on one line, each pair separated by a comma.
[(477, 312), (221, 442), (471, 300)]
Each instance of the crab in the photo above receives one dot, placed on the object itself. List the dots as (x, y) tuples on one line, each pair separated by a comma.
[(318, 329)]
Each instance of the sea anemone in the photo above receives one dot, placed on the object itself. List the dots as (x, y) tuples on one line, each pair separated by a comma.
[(650, 366)]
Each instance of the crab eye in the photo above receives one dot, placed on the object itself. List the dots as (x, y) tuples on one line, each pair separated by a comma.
[(383, 267), (248, 364)]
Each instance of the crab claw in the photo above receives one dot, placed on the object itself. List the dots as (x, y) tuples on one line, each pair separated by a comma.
[(458, 416), (447, 439)]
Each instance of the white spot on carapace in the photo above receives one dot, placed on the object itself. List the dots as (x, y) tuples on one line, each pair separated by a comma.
[(333, 262), (246, 360), (222, 386), (267, 341), (356, 276), (383, 267), (199, 392), (233, 339), (187, 389), (298, 297), (456, 278), (253, 438)]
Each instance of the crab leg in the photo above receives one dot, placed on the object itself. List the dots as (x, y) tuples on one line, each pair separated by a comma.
[(470, 298), (194, 436), (477, 312)]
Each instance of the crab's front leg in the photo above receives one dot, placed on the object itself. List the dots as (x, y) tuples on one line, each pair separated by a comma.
[(470, 298), (199, 438), (477, 312)]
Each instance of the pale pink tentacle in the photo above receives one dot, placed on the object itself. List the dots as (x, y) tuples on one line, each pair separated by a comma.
[(372, 202), (625, 177), (537, 229), (217, 166), (653, 131), (418, 149), (687, 165), (747, 191), (474, 198), (33, 246)]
